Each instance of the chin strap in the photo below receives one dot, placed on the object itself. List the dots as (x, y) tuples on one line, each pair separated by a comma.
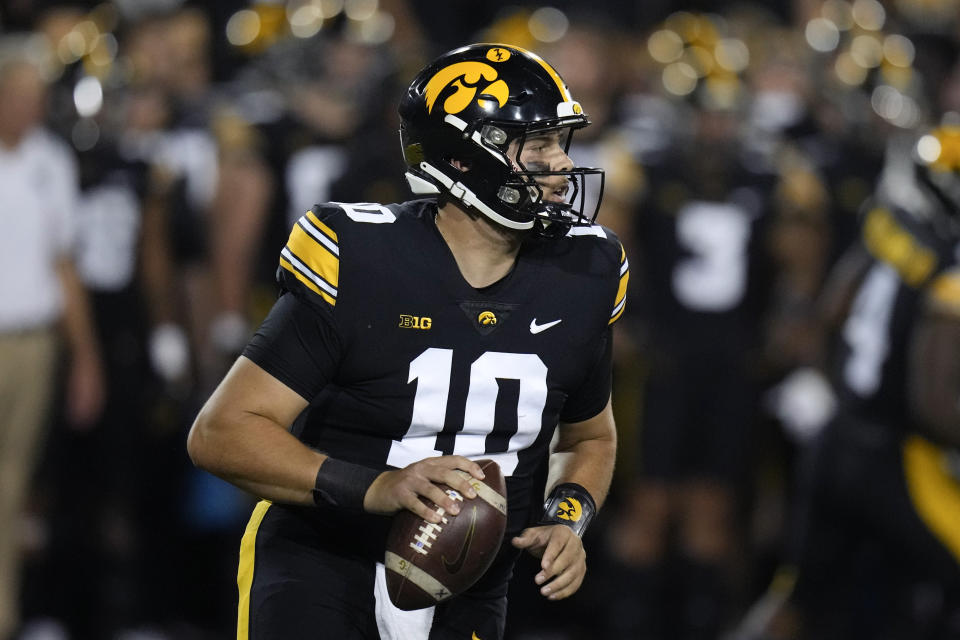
[(420, 186), (461, 192)]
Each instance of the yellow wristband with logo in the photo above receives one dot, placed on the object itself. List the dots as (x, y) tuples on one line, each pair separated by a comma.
[(571, 505)]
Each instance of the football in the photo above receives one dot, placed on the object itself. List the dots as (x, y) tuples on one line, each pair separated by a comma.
[(428, 563)]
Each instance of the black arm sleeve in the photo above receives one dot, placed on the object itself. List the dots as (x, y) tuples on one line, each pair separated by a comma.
[(298, 345), (594, 392)]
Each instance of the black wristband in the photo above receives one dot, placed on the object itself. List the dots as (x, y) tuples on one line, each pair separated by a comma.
[(342, 484), (571, 505)]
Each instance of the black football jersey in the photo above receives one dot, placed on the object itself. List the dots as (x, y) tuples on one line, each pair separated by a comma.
[(112, 187), (705, 268), (409, 361), (909, 262)]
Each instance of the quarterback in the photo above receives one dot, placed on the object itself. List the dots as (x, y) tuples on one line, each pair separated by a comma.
[(410, 340)]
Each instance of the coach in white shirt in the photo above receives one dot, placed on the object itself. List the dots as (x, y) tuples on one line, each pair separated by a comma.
[(43, 306)]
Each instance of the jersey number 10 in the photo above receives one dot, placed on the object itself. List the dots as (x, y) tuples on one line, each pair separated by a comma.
[(432, 370)]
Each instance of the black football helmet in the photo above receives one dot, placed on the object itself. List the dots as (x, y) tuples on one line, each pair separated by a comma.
[(937, 162), (473, 105)]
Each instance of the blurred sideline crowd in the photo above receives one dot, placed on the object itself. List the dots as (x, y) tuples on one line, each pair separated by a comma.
[(181, 141)]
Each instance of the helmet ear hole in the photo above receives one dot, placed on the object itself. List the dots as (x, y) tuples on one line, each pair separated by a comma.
[(494, 135)]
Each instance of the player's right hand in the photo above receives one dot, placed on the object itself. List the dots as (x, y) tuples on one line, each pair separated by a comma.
[(402, 488)]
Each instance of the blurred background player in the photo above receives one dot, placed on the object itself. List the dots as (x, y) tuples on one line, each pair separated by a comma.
[(709, 234), (876, 525), (43, 305)]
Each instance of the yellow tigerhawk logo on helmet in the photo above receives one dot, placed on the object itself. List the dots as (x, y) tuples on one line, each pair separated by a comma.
[(569, 509), (468, 78), (487, 317)]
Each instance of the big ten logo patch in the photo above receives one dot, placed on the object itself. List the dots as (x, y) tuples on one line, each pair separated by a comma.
[(415, 322)]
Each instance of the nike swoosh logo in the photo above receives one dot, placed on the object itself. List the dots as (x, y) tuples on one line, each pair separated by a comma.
[(456, 565), (537, 328)]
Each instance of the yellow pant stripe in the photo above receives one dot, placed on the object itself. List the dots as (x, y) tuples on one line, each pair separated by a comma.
[(935, 494), (248, 548)]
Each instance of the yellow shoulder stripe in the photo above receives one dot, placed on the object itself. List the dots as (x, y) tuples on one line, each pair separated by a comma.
[(319, 225), (307, 281), (321, 260), (620, 302), (312, 255), (887, 240)]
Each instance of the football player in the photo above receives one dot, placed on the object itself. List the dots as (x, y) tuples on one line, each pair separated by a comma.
[(411, 339), (881, 489), (46, 324), (703, 232)]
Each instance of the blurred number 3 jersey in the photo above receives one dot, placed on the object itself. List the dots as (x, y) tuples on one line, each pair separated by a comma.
[(418, 363)]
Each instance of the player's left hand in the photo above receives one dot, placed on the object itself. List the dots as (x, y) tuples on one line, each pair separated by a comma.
[(563, 561)]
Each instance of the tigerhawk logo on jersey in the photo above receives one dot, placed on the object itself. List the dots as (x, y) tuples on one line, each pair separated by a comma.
[(487, 317), (569, 509), (415, 322), (468, 78)]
